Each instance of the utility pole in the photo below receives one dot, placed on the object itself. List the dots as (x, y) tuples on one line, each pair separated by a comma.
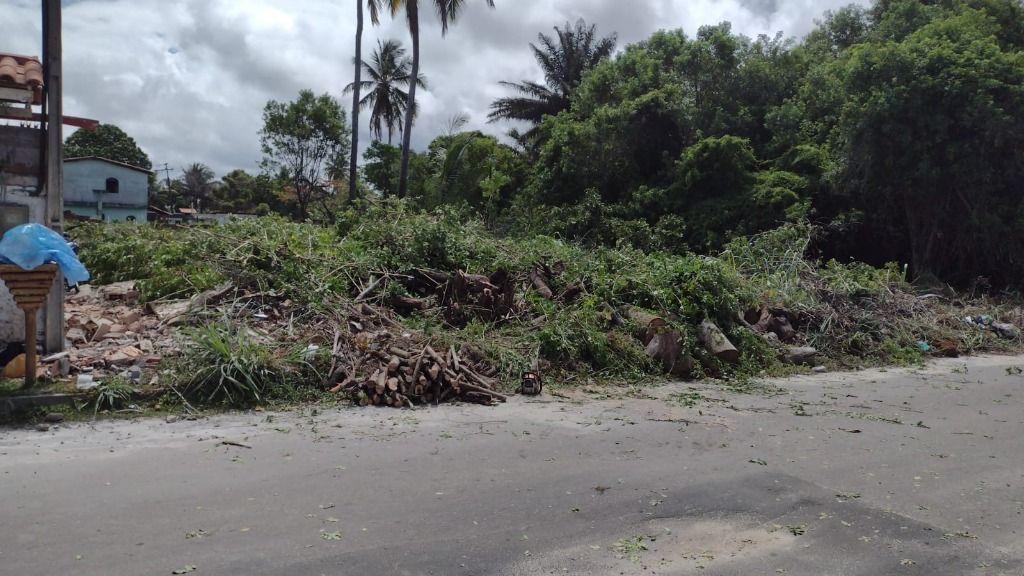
[(54, 218), (167, 174), (167, 177)]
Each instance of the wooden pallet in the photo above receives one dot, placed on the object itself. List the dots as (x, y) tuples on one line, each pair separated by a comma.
[(30, 289)]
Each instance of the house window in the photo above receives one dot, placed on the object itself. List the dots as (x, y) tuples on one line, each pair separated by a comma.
[(113, 186)]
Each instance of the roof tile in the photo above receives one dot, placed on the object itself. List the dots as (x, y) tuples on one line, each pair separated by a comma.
[(22, 72)]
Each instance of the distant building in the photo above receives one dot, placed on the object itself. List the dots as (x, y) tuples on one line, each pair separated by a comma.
[(105, 190)]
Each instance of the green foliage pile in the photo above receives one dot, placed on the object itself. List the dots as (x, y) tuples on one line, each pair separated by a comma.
[(854, 314)]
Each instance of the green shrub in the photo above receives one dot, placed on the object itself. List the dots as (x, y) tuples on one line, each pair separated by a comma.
[(229, 365)]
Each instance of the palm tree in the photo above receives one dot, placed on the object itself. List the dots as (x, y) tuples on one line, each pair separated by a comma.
[(448, 12), (388, 71), (374, 6), (196, 183), (564, 60)]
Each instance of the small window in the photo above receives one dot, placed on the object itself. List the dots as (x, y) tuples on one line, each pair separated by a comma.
[(113, 186)]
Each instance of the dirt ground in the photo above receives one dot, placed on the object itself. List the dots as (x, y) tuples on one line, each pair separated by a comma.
[(878, 472)]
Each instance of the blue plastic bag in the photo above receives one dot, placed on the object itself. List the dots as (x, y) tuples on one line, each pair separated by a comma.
[(29, 246)]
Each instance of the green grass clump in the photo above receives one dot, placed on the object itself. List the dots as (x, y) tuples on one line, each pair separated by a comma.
[(228, 365), (112, 394)]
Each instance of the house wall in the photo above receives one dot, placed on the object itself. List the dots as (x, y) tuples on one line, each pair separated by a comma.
[(85, 182), (21, 202)]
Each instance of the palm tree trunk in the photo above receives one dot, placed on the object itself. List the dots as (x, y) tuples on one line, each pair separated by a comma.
[(355, 103), (412, 11)]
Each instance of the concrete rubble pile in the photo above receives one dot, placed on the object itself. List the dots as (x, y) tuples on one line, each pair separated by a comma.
[(109, 333)]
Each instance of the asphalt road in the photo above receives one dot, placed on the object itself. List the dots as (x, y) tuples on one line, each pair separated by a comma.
[(874, 473)]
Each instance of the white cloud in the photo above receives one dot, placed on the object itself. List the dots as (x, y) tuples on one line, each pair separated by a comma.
[(189, 78)]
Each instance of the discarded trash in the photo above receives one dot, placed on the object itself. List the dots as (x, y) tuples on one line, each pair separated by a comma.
[(819, 370), (1006, 330), (15, 368), (29, 246), (532, 385), (85, 382), (923, 346), (135, 374)]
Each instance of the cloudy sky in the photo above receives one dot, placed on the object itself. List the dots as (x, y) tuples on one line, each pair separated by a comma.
[(189, 78)]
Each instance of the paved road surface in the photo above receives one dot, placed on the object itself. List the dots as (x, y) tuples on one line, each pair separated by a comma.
[(876, 473)]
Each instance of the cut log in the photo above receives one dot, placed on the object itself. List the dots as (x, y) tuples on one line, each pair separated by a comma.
[(803, 355), (666, 348), (571, 292), (537, 279), (408, 304), (434, 355), (393, 365), (715, 342), (434, 372), (781, 326), (648, 323)]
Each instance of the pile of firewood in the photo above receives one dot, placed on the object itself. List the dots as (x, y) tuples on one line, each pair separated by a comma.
[(403, 379), (378, 362)]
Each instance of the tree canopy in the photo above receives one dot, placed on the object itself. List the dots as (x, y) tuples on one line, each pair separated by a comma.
[(106, 141), (306, 143)]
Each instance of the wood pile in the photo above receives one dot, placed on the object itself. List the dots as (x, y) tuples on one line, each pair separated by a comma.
[(377, 362), (403, 378)]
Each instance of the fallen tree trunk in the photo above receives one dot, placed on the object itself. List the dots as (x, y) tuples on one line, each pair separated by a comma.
[(537, 279), (715, 341), (804, 355), (648, 323)]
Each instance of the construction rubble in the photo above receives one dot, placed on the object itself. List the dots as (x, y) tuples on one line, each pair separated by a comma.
[(109, 334)]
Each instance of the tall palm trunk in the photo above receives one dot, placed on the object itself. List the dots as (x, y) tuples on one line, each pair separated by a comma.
[(412, 11), (352, 178)]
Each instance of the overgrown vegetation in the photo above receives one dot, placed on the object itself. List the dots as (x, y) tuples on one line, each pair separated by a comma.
[(854, 314)]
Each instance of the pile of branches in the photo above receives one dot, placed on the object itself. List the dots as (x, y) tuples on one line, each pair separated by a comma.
[(376, 361)]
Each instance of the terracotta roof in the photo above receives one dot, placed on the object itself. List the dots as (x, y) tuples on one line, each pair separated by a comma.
[(25, 72)]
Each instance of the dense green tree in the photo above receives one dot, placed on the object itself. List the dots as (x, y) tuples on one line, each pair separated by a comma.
[(930, 140), (381, 166), (474, 169), (106, 141), (239, 192), (306, 143)]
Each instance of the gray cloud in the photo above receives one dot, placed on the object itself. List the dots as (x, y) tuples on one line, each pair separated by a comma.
[(189, 78)]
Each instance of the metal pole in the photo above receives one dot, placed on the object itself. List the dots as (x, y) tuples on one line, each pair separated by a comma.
[(52, 51)]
